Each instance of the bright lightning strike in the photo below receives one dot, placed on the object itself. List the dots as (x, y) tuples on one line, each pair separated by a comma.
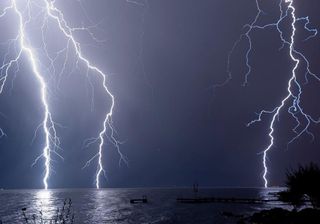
[(294, 87), (52, 13), (57, 15), (51, 139)]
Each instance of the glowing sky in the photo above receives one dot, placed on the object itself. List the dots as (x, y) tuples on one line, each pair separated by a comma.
[(162, 59)]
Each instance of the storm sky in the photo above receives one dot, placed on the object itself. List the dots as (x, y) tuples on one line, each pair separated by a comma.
[(163, 57)]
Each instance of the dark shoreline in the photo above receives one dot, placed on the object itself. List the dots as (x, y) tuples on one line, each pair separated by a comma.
[(283, 216)]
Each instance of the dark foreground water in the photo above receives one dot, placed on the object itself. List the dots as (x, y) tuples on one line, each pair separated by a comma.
[(113, 206)]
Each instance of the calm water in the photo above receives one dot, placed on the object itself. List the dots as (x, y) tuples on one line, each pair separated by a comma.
[(112, 205)]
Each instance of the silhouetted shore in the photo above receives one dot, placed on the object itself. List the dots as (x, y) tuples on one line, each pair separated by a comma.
[(283, 216)]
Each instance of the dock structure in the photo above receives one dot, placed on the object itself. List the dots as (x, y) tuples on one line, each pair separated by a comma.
[(200, 200)]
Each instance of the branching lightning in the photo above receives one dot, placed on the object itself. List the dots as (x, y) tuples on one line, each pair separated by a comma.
[(52, 142), (51, 139), (57, 15), (294, 87)]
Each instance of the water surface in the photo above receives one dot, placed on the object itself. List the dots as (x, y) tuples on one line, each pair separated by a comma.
[(113, 206)]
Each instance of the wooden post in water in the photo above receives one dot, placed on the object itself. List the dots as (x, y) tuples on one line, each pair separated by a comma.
[(195, 189)]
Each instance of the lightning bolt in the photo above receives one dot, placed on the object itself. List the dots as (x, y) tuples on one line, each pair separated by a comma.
[(51, 139), (294, 86), (58, 16), (48, 125), (2, 133)]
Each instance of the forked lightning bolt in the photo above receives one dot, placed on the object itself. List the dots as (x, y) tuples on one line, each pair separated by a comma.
[(52, 141), (294, 89), (57, 15)]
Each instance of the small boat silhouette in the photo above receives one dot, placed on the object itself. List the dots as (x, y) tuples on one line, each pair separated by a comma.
[(139, 200)]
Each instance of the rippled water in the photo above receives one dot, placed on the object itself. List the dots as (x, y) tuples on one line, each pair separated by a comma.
[(113, 206)]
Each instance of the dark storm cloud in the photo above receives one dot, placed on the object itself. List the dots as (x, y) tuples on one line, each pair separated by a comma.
[(163, 60)]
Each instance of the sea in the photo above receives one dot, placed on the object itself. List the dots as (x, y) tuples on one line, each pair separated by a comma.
[(112, 206)]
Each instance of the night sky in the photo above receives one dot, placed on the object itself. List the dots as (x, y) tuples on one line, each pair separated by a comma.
[(163, 59)]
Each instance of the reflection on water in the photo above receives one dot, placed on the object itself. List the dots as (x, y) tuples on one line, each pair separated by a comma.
[(46, 207), (269, 193), (44, 204), (271, 196), (109, 205), (113, 206), (100, 200)]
